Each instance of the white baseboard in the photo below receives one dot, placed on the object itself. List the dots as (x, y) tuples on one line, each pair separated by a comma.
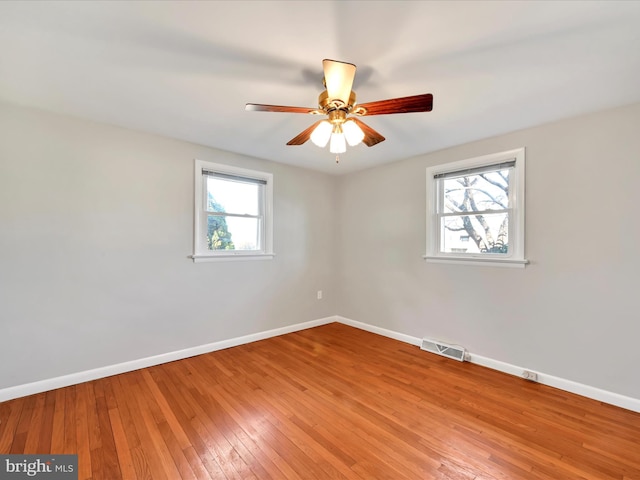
[(380, 331), (588, 391), (9, 393), (88, 375)]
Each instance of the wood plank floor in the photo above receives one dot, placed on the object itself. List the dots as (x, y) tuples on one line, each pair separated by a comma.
[(331, 402)]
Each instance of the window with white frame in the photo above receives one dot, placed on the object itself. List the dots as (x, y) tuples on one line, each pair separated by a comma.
[(233, 213), (475, 210)]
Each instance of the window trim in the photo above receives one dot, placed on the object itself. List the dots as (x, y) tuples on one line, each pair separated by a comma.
[(204, 255), (515, 258)]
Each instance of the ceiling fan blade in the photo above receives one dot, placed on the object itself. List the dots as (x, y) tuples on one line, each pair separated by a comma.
[(338, 77), (371, 137), (303, 136), (258, 107), (415, 103)]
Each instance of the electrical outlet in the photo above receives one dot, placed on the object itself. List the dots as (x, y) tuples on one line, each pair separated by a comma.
[(319, 294), (531, 376)]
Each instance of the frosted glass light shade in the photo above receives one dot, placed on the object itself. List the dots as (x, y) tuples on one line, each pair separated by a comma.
[(352, 132), (338, 144), (321, 134)]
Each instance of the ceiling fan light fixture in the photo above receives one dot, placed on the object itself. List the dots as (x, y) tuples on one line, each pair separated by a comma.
[(338, 143), (352, 132), (321, 134)]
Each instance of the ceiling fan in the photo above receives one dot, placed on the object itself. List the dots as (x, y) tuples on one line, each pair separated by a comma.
[(338, 103)]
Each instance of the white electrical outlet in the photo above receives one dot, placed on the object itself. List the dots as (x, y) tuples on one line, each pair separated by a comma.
[(531, 376), (319, 294)]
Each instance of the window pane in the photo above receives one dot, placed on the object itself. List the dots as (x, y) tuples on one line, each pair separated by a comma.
[(233, 233), (476, 193), (229, 196), (487, 233)]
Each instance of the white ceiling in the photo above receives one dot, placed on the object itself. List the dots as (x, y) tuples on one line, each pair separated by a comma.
[(185, 69)]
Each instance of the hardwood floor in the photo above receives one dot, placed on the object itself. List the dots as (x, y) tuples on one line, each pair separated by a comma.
[(332, 402)]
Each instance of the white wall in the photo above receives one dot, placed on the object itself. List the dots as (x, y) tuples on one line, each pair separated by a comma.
[(96, 224), (572, 313), (96, 227)]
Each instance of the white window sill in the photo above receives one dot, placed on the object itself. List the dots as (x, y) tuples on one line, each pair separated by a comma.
[(488, 262), (231, 257)]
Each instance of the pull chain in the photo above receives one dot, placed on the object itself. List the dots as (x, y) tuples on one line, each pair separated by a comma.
[(337, 159)]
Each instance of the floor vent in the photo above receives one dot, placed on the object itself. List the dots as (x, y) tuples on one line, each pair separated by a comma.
[(451, 351)]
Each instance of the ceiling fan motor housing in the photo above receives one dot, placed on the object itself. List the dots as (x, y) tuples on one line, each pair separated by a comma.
[(329, 104), (336, 109)]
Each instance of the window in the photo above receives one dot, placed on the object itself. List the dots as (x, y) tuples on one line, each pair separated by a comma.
[(475, 210), (233, 213)]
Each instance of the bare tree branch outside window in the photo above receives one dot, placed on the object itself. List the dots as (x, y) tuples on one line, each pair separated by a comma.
[(476, 207)]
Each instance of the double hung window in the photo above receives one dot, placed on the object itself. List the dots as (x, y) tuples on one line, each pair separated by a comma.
[(233, 212), (475, 210)]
